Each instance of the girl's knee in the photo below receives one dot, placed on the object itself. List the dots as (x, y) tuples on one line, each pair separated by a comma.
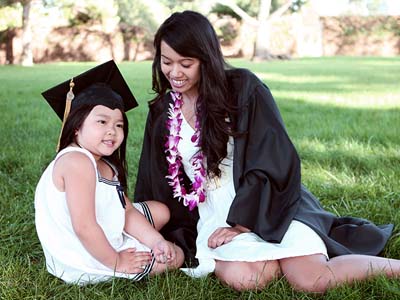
[(160, 213)]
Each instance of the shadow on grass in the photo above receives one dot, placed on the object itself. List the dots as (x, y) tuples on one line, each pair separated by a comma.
[(350, 157)]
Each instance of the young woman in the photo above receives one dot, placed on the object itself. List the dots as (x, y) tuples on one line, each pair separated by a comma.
[(88, 229), (216, 152)]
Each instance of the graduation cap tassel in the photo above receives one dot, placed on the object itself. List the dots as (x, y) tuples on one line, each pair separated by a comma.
[(68, 102)]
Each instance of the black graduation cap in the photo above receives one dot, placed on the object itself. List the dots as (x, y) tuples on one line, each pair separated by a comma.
[(101, 85), (96, 86)]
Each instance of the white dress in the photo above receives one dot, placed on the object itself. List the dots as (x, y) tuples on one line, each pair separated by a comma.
[(66, 257), (299, 239)]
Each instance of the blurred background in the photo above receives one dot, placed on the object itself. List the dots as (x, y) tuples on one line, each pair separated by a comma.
[(41, 31), (333, 67)]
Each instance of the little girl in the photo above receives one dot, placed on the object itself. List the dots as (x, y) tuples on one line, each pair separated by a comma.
[(87, 227)]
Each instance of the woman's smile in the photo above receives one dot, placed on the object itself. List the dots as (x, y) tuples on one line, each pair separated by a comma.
[(177, 83), (183, 73)]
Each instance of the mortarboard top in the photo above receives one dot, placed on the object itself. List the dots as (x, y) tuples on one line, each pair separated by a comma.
[(95, 86), (101, 85)]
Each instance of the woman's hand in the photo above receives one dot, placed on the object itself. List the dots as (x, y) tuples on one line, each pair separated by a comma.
[(164, 252), (224, 235), (132, 261)]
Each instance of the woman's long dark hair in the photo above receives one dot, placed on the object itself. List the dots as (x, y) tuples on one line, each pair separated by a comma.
[(75, 121), (191, 35)]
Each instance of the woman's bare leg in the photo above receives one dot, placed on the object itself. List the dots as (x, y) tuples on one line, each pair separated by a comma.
[(313, 273), (247, 275)]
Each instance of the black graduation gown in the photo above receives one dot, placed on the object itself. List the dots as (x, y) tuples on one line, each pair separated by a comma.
[(266, 171)]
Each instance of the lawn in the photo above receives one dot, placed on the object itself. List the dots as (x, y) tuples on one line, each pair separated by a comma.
[(342, 113)]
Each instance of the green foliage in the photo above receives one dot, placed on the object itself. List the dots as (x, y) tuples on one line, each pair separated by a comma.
[(297, 4), (136, 14), (249, 6), (393, 26), (356, 26), (180, 5), (86, 12), (10, 15), (226, 33), (343, 115), (4, 3)]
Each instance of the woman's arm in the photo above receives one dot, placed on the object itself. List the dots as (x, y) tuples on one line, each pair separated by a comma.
[(224, 235)]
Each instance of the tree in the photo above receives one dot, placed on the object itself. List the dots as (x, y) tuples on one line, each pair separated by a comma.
[(136, 22), (26, 57), (181, 5), (261, 23)]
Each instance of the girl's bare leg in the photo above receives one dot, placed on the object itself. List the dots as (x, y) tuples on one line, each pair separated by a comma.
[(313, 273), (159, 212)]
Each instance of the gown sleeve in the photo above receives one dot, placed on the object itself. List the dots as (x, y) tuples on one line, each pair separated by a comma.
[(269, 193), (143, 190), (266, 169)]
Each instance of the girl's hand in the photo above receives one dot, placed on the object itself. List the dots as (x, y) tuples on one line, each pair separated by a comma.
[(164, 252), (132, 261), (224, 235)]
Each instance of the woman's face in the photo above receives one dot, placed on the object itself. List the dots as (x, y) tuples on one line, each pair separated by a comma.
[(183, 73), (102, 132)]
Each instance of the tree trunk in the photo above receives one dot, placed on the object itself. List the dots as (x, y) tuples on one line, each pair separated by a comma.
[(135, 54), (127, 39), (247, 31), (26, 57), (261, 47), (261, 25), (10, 46)]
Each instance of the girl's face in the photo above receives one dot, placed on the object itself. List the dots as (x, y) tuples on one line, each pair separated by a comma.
[(183, 73), (102, 132)]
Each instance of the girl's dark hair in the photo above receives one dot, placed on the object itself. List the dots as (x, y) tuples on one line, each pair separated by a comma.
[(75, 121), (191, 35)]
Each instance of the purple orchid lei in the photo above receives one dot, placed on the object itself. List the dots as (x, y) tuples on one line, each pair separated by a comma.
[(174, 159)]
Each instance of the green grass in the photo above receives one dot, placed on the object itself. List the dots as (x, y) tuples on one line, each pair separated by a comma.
[(342, 113)]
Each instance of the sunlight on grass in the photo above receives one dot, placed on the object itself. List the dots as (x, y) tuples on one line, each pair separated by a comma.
[(342, 114), (342, 94), (355, 100), (305, 79), (336, 81)]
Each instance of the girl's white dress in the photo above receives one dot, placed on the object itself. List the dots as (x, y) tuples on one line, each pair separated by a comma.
[(299, 240), (66, 257)]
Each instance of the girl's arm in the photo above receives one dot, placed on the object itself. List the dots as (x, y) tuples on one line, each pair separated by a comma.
[(138, 226), (80, 187)]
